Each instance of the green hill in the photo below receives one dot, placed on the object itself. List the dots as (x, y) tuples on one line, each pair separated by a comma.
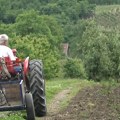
[(106, 8), (108, 16)]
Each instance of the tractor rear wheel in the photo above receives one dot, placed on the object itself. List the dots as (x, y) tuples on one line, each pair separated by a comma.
[(37, 87)]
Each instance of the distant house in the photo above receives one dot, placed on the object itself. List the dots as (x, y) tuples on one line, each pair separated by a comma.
[(65, 47)]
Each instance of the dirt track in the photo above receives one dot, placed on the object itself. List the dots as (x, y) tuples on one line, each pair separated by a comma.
[(96, 103)]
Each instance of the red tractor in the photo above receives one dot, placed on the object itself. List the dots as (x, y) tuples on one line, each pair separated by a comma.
[(22, 86)]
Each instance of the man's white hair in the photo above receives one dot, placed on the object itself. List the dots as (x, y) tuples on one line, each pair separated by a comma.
[(3, 37)]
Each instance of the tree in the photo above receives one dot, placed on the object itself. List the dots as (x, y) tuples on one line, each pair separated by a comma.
[(96, 54), (30, 22)]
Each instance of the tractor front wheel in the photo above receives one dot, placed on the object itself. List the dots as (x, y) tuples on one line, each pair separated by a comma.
[(29, 106)]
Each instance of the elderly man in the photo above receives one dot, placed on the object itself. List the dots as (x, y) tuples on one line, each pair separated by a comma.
[(4, 50)]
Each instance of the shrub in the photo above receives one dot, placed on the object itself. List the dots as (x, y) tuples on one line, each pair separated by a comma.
[(74, 68), (38, 48)]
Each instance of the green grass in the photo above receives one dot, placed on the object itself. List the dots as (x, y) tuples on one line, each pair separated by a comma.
[(13, 116), (55, 86), (110, 83), (105, 8)]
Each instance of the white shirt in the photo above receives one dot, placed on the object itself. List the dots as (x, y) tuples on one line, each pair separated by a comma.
[(6, 52)]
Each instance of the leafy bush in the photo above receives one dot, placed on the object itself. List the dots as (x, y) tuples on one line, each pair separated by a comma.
[(37, 48), (74, 68)]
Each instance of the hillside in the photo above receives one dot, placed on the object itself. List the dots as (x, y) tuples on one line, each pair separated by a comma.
[(106, 8), (108, 16)]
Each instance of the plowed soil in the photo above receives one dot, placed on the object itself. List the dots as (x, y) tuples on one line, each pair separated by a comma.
[(93, 103)]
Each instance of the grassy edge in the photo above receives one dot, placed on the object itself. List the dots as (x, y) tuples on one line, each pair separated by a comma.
[(55, 86)]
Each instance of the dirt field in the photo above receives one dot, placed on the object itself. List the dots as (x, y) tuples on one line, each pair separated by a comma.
[(96, 103)]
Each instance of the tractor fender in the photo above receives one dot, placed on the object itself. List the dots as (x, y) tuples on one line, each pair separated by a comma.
[(26, 66)]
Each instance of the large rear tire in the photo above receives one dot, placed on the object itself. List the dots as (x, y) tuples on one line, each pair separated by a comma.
[(37, 87)]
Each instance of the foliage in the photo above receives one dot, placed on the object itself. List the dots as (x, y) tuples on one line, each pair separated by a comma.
[(6, 28), (37, 28), (104, 2), (30, 22), (95, 53), (74, 68), (37, 48), (71, 8), (38, 37), (100, 53), (73, 36)]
